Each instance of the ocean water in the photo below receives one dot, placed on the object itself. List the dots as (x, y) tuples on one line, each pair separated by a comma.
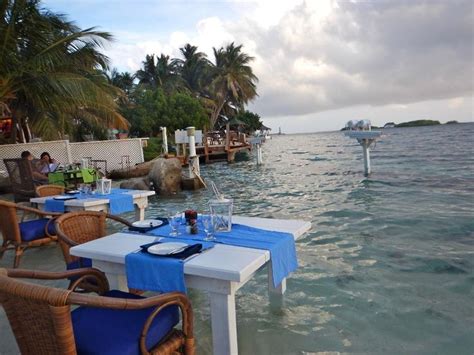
[(388, 266)]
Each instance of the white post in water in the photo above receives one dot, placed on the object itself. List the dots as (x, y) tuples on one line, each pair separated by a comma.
[(365, 143), (165, 140), (362, 131), (193, 158), (259, 154)]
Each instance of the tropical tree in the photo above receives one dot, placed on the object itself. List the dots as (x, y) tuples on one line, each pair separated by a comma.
[(233, 83), (51, 71), (252, 121), (153, 109), (194, 69), (123, 81), (160, 74)]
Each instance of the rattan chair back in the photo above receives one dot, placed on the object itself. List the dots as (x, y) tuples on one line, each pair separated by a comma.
[(76, 228), (49, 190), (80, 227), (39, 316), (20, 173)]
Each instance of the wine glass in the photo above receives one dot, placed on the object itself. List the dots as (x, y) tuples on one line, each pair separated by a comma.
[(208, 223), (174, 220)]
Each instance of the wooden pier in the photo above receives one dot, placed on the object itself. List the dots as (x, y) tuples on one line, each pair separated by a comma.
[(222, 148)]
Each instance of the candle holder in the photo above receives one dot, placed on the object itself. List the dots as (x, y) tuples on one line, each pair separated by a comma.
[(104, 186), (221, 214)]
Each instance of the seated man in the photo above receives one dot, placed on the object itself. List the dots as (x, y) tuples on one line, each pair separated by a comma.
[(38, 177)]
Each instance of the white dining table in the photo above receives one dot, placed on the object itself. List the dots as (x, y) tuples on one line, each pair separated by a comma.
[(140, 201), (220, 271)]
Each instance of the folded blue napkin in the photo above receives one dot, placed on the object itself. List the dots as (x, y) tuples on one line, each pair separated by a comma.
[(158, 273), (281, 245)]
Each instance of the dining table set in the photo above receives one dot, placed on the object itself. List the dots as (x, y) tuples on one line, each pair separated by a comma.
[(163, 255), (116, 201)]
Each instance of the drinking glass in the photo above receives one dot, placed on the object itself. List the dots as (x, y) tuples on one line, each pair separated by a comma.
[(174, 221), (208, 223)]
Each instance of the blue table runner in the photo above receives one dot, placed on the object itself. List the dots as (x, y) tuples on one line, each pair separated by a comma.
[(119, 201), (158, 273), (52, 205), (281, 245)]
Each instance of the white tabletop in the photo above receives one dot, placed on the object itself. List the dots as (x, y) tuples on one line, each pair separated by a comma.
[(93, 201), (223, 262)]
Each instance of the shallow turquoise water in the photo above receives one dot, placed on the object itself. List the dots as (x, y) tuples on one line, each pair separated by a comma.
[(388, 266)]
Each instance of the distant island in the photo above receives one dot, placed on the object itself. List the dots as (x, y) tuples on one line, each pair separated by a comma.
[(418, 123)]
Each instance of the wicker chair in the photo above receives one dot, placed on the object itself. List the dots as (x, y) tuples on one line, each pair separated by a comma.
[(49, 190), (20, 173), (20, 236), (115, 322), (76, 228)]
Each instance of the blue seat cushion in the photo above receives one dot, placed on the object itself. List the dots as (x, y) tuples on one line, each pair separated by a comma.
[(79, 263), (111, 331), (34, 229)]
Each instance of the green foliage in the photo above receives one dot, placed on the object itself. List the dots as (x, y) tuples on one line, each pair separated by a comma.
[(49, 71), (220, 88), (153, 109), (418, 123), (153, 149), (252, 121)]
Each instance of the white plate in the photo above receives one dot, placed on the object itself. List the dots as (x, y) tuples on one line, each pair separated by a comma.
[(64, 198), (73, 192), (147, 223), (166, 248)]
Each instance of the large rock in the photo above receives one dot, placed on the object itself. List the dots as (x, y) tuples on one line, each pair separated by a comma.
[(165, 175), (136, 184)]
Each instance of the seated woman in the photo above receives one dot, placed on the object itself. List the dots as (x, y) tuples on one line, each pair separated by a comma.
[(47, 164)]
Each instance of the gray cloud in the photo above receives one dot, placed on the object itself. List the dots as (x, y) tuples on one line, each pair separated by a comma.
[(363, 53)]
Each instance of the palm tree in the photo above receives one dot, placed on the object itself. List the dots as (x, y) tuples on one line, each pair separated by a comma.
[(160, 74), (50, 70), (233, 83), (123, 81), (194, 69)]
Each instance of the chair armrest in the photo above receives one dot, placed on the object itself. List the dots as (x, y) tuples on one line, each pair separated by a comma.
[(52, 275), (119, 219), (81, 274)]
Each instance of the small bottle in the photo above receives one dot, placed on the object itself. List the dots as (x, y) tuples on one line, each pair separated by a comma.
[(194, 226)]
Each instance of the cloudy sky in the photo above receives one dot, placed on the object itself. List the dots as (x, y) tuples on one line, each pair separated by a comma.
[(320, 63)]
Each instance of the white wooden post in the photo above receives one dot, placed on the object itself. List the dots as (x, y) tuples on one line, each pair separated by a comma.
[(365, 143), (193, 158), (259, 154), (165, 140), (365, 139)]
